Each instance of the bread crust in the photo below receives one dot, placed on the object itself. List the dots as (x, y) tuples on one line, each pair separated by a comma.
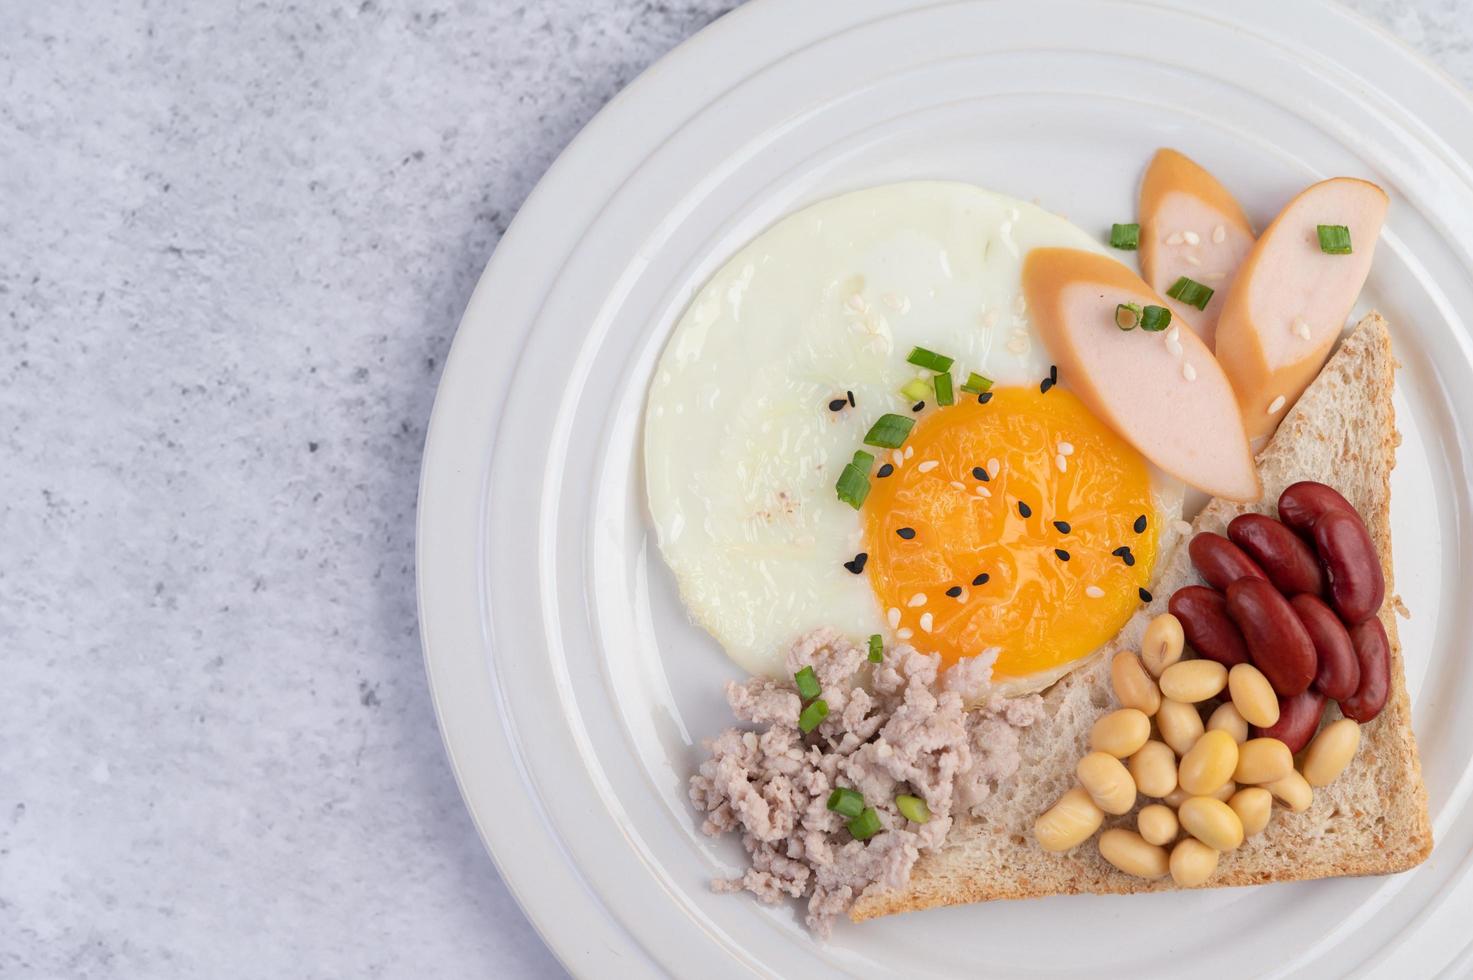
[(1373, 820)]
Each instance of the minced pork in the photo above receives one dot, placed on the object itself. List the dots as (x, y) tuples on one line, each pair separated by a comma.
[(893, 727)]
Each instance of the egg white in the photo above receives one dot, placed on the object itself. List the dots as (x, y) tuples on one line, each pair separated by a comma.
[(741, 448)]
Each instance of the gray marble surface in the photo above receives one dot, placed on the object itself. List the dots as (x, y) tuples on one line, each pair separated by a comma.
[(235, 239)]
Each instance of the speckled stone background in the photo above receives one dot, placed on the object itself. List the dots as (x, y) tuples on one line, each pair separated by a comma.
[(235, 239)]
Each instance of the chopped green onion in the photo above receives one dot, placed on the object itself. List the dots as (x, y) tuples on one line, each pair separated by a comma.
[(1127, 237), (853, 485), (889, 431), (944, 394), (1128, 316), (1334, 239), (913, 808), (866, 825), (1155, 318), (929, 359), (812, 715), (807, 683), (876, 648), (846, 802), (915, 389), (976, 384), (1191, 292)]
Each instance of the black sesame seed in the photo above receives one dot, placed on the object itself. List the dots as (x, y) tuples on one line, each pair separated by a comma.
[(850, 395), (1045, 385), (981, 579), (1063, 555), (984, 398), (954, 591), (837, 405), (980, 474), (1145, 595), (1053, 373), (1120, 551), (1061, 526), (1129, 559), (857, 565), (884, 471), (906, 532), (1140, 524), (1024, 510), (918, 406)]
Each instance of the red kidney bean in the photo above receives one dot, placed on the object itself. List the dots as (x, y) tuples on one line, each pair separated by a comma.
[(1357, 586), (1338, 673), (1301, 504), (1221, 562), (1299, 718), (1278, 643), (1288, 562), (1204, 620), (1373, 651)]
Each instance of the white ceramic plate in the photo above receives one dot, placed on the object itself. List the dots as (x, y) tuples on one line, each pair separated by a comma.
[(571, 689)]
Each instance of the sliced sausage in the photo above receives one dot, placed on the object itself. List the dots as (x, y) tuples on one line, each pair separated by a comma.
[(1177, 409)]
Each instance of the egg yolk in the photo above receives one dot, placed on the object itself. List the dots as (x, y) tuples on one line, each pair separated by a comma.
[(1023, 524)]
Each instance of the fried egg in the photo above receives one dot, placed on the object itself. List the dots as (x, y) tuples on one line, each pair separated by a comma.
[(1014, 525)]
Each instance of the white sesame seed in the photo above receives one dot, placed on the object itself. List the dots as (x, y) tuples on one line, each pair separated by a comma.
[(917, 600), (1301, 329), (1061, 463), (1175, 238), (926, 622), (1275, 405), (1214, 276), (963, 596), (1193, 260), (1219, 234), (1094, 592), (892, 616), (958, 485), (910, 451), (1192, 238), (983, 491), (855, 302), (897, 457), (1018, 343), (904, 634), (1173, 346), (1173, 333), (928, 466), (1067, 448), (1181, 527), (993, 467), (1188, 372)]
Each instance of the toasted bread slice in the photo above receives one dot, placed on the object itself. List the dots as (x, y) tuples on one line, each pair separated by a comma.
[(1372, 820)]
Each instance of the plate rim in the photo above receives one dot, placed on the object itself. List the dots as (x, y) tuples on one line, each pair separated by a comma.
[(596, 940)]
